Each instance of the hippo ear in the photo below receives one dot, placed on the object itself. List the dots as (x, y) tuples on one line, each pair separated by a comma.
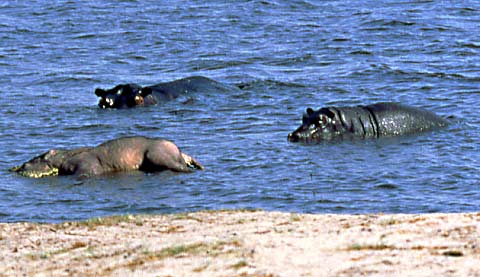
[(145, 91), (310, 111), (50, 153), (100, 92)]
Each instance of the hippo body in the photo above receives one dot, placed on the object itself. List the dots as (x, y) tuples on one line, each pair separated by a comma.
[(133, 95), (376, 120), (122, 154)]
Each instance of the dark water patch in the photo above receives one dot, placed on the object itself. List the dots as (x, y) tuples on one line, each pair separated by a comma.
[(386, 186), (90, 35), (361, 52), (341, 39), (137, 57)]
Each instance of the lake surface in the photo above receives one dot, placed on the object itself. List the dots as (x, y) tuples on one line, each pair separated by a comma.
[(288, 55)]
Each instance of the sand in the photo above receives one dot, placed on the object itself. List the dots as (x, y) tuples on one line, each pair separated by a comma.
[(246, 243)]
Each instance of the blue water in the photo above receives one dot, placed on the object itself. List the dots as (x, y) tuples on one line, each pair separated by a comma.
[(289, 55)]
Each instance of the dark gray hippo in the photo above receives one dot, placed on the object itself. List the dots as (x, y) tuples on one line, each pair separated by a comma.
[(133, 95), (122, 154), (376, 120)]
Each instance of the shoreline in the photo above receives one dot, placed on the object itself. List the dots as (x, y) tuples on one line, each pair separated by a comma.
[(246, 243)]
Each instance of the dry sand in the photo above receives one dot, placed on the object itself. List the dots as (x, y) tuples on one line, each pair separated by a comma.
[(246, 243)]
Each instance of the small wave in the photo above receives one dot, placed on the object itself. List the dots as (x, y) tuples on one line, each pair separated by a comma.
[(256, 84), (393, 23), (140, 127), (435, 29), (472, 45), (386, 69), (85, 36), (293, 61), (46, 80), (214, 64), (100, 34), (88, 127), (443, 75)]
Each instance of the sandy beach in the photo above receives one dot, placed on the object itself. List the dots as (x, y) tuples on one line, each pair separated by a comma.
[(246, 243)]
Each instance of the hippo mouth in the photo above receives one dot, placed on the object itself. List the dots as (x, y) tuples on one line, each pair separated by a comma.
[(191, 162), (35, 173), (306, 136), (314, 135)]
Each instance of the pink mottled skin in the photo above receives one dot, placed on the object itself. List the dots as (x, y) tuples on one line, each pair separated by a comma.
[(123, 154)]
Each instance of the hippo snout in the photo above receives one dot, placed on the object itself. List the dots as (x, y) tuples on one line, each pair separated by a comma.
[(35, 171), (293, 137)]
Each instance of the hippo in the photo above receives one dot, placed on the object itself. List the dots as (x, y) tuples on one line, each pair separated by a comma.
[(133, 95), (122, 154), (371, 121)]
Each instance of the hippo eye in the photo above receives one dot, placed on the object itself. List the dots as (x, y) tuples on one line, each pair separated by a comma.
[(120, 91), (323, 119), (327, 112)]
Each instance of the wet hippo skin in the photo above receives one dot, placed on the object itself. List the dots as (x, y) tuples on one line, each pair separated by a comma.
[(376, 120), (133, 95), (122, 154)]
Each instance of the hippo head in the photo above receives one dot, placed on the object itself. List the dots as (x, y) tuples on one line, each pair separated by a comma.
[(123, 96), (317, 126), (44, 165)]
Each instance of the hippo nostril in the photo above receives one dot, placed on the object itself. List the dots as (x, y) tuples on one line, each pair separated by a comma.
[(16, 168), (139, 100)]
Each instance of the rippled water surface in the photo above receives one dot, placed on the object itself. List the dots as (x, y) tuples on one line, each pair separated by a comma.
[(287, 55)]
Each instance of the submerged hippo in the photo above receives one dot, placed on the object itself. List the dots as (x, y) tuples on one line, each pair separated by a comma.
[(123, 154), (376, 120), (133, 95)]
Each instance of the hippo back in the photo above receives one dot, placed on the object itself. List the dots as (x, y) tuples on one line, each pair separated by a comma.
[(194, 84), (396, 119)]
